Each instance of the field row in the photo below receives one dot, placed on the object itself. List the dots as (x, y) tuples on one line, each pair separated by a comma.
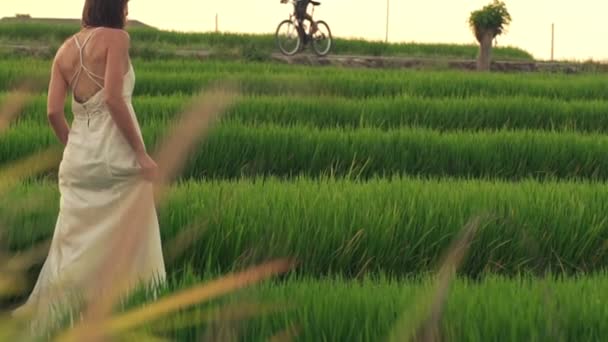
[(340, 82), (184, 66), (444, 114), (397, 227), (234, 150), (142, 38), (335, 310)]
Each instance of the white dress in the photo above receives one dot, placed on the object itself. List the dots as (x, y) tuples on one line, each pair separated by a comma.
[(98, 178)]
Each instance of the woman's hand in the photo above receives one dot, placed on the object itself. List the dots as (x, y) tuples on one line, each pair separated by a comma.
[(149, 169)]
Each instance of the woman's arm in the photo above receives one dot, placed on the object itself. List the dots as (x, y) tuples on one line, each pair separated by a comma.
[(116, 67), (58, 89)]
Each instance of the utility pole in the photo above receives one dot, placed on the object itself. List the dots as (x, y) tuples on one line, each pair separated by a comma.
[(552, 41), (387, 18), (217, 27)]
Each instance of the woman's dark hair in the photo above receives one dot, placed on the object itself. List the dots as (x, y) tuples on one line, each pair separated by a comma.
[(106, 13)]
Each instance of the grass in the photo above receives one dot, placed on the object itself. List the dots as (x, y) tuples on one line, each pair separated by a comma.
[(342, 310), (397, 227), (234, 150), (281, 80), (146, 41), (442, 114)]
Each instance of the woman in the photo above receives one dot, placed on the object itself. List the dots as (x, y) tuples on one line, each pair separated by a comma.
[(104, 164)]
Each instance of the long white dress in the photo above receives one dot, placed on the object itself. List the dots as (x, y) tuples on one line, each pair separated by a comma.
[(99, 181)]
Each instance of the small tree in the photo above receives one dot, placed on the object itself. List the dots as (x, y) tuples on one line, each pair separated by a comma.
[(488, 23)]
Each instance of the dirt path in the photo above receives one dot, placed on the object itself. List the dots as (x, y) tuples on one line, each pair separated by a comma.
[(429, 63), (356, 61)]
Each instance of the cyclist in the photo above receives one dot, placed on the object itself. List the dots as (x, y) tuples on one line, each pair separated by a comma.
[(301, 8)]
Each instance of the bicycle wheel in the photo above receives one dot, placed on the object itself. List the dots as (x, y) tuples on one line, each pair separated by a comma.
[(288, 38), (322, 40)]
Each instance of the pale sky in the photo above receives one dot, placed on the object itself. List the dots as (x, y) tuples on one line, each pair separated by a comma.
[(580, 26)]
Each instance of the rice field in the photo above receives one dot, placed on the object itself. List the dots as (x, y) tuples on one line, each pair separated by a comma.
[(366, 178), (391, 227), (189, 77), (474, 113), (237, 150), (546, 309)]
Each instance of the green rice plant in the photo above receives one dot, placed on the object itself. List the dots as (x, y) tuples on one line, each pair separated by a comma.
[(235, 150), (23, 31), (462, 51), (275, 80), (443, 114), (335, 309), (338, 310), (355, 85), (396, 227)]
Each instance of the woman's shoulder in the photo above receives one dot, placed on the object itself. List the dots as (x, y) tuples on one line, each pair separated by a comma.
[(111, 37), (113, 33)]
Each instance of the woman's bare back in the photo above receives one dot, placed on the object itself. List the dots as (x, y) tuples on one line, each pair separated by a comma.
[(85, 77)]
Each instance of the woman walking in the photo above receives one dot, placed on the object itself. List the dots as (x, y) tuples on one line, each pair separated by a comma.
[(104, 163)]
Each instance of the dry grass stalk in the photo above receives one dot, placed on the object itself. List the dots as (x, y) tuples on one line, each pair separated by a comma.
[(13, 105), (193, 126), (421, 323), (16, 172), (184, 299), (228, 313), (286, 335)]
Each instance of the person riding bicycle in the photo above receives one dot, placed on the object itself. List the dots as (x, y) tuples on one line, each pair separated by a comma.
[(301, 9), (292, 36), (302, 13)]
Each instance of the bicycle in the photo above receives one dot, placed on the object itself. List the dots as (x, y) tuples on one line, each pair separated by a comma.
[(291, 35)]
